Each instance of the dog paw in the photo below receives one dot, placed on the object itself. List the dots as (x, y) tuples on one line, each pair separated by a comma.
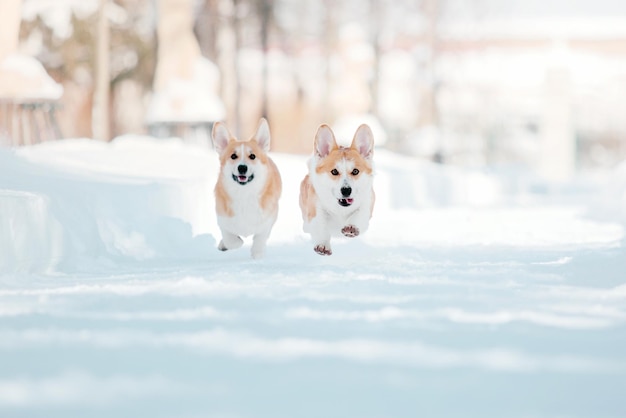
[(322, 250), (230, 242), (350, 231), (257, 253)]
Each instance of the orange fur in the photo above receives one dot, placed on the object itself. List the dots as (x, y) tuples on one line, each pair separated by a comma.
[(272, 190), (222, 200), (307, 199), (339, 153)]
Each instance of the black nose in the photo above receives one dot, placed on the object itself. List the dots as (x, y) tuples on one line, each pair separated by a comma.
[(242, 169), (345, 191)]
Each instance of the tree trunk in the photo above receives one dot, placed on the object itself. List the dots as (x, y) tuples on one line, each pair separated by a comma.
[(265, 14), (206, 29), (330, 41), (101, 114), (236, 24)]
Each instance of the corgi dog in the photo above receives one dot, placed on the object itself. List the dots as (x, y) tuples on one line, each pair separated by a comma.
[(337, 195), (247, 190)]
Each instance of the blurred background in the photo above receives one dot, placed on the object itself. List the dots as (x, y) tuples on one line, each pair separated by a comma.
[(539, 84)]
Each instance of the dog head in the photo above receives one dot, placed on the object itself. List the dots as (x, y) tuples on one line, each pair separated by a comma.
[(242, 162), (343, 175)]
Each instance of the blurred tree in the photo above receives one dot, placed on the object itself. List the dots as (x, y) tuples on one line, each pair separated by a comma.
[(375, 22), (71, 57), (265, 11), (101, 104), (236, 23), (224, 28), (429, 117), (330, 44), (178, 48), (206, 28)]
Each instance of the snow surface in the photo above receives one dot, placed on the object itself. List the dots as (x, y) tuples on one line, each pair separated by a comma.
[(476, 293)]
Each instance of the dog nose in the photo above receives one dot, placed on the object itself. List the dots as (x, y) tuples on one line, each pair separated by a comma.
[(345, 191), (242, 169)]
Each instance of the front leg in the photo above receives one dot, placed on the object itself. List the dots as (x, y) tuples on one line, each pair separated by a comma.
[(318, 228), (229, 241), (357, 223), (323, 249), (259, 243), (350, 231)]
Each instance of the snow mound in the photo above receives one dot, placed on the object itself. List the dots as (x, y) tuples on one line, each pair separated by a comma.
[(62, 216), (23, 77)]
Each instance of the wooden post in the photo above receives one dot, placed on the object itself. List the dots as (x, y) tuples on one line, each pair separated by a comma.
[(100, 112)]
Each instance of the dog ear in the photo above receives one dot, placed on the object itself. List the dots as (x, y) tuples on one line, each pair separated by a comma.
[(262, 135), (324, 141), (221, 136), (363, 141)]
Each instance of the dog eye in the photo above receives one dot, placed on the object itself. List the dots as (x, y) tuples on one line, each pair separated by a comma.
[(355, 171), (252, 156), (334, 172), (233, 157)]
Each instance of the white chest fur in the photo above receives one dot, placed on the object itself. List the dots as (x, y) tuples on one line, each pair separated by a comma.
[(248, 217)]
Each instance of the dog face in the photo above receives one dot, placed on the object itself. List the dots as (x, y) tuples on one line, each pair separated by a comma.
[(343, 175), (242, 162)]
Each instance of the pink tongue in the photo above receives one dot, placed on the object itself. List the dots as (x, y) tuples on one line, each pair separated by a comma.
[(349, 200), (242, 178)]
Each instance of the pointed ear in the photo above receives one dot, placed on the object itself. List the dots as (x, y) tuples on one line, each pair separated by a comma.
[(324, 141), (363, 141), (262, 135), (221, 136)]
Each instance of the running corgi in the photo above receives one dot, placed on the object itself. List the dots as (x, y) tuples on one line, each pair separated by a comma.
[(337, 196), (247, 189)]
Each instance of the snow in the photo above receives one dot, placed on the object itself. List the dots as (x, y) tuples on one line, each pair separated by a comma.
[(475, 293), (23, 77)]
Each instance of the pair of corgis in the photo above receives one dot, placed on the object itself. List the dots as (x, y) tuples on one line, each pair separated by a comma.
[(336, 196)]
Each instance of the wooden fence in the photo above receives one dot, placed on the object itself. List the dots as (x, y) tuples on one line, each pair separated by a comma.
[(28, 121)]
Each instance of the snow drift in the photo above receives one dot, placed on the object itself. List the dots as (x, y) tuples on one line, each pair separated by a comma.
[(82, 204)]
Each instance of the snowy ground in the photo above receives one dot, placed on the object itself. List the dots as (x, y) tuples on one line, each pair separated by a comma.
[(474, 294)]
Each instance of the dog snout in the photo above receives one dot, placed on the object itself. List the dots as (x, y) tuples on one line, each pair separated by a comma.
[(243, 169), (346, 191)]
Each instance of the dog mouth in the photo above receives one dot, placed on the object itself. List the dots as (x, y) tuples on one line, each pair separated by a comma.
[(241, 179), (345, 202)]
